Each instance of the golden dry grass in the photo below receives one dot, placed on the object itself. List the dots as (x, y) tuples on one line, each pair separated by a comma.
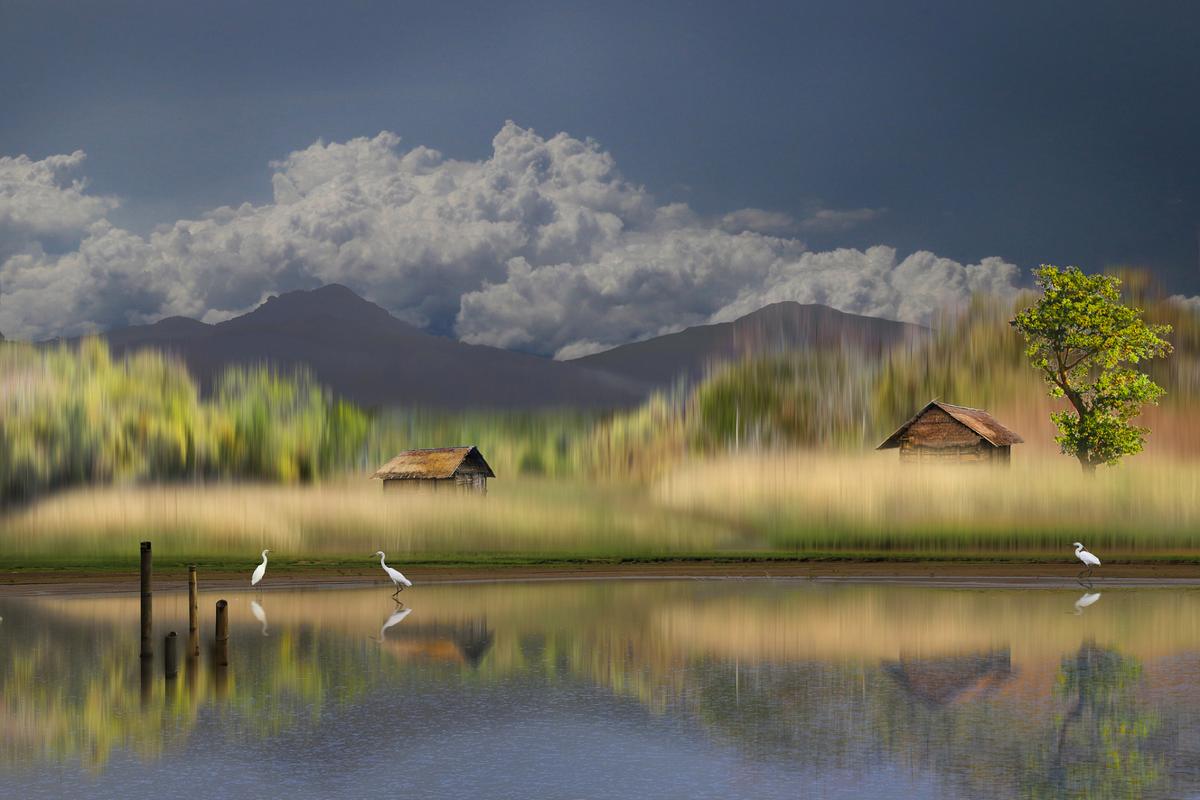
[(815, 501), (797, 503), (347, 520)]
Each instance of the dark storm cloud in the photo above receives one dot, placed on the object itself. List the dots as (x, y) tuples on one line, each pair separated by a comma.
[(1061, 132)]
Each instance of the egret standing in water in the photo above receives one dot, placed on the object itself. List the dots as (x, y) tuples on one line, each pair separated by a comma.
[(260, 570), (396, 576), (1087, 558)]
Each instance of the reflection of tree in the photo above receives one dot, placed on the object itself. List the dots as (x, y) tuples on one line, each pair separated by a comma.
[(1102, 743), (979, 722), (72, 692)]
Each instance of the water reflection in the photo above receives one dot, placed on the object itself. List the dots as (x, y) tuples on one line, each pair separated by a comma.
[(832, 685), (259, 614), (397, 616), (1086, 600), (951, 679)]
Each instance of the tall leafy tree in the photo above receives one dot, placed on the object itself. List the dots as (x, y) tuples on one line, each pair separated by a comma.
[(1087, 343)]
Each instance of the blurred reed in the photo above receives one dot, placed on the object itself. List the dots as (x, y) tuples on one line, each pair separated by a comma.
[(348, 520), (823, 502), (750, 505)]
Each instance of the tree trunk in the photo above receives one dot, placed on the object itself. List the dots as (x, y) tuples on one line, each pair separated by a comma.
[(1086, 463)]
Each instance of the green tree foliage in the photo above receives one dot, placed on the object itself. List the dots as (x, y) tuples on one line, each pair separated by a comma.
[(1086, 344), (71, 415)]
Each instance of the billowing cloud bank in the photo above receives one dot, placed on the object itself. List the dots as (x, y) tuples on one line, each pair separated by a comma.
[(544, 246)]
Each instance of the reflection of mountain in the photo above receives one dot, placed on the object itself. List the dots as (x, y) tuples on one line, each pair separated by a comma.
[(951, 679)]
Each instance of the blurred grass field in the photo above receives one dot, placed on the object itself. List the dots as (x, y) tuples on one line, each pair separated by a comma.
[(780, 505)]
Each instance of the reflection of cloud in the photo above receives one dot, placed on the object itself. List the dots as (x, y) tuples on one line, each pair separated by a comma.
[(543, 245)]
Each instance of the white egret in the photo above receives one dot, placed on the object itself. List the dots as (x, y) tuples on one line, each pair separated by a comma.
[(260, 570), (1085, 601), (1087, 558), (394, 619), (396, 576), (259, 614)]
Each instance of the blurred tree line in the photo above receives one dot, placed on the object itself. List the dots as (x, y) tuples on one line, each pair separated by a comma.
[(76, 415), (847, 399), (72, 415)]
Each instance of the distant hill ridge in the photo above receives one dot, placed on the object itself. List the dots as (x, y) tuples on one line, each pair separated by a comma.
[(363, 353), (779, 327)]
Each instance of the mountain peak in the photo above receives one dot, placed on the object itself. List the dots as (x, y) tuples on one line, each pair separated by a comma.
[(332, 300)]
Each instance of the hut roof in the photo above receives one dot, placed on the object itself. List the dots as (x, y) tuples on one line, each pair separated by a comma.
[(434, 463), (981, 422)]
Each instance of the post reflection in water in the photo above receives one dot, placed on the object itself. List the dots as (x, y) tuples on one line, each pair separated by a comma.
[(640, 687)]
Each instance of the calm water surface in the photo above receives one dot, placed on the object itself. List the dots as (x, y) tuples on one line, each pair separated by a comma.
[(620, 689)]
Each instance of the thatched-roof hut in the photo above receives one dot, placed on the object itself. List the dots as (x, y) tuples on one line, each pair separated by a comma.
[(941, 432), (437, 468)]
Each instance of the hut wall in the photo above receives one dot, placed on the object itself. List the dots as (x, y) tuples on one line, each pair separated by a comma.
[(417, 484), (980, 453), (471, 481)]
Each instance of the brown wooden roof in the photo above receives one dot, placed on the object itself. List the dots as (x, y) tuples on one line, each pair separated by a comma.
[(981, 422), (433, 464)]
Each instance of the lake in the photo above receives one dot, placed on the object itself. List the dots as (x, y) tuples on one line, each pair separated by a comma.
[(612, 689)]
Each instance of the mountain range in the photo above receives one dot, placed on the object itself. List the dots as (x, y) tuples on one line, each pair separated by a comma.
[(778, 327), (363, 353)]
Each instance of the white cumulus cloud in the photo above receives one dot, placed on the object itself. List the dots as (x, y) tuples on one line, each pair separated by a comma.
[(1192, 302), (542, 246), (833, 220)]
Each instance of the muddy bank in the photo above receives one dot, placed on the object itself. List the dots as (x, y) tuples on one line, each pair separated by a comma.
[(960, 574)]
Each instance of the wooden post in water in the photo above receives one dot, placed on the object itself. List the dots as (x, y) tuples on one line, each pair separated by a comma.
[(147, 604), (222, 643), (193, 650), (171, 657)]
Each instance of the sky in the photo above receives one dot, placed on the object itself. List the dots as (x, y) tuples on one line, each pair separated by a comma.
[(563, 177)]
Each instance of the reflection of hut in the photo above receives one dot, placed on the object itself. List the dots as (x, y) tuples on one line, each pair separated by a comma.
[(438, 468), (941, 432), (953, 679), (461, 643)]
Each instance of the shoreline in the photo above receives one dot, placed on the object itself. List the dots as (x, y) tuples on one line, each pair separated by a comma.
[(948, 574)]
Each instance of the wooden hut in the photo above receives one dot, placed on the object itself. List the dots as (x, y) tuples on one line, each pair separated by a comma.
[(461, 468), (941, 433)]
